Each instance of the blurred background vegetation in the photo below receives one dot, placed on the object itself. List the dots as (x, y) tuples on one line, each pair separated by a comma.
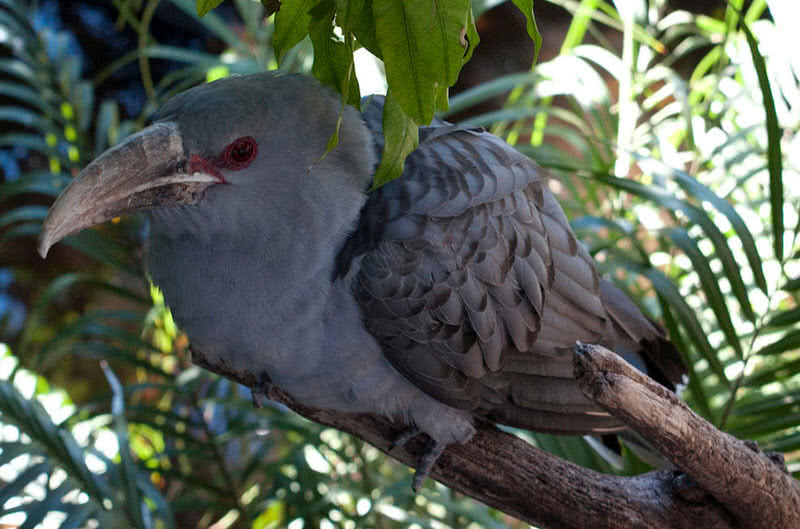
[(670, 128)]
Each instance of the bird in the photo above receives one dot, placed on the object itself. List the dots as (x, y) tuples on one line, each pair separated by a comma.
[(453, 293)]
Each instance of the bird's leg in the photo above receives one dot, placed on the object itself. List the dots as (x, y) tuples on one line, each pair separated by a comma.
[(426, 462), (432, 452), (404, 436)]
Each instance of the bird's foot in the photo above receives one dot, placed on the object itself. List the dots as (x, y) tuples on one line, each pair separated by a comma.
[(259, 397), (426, 462), (432, 452), (260, 392), (404, 436), (442, 424)]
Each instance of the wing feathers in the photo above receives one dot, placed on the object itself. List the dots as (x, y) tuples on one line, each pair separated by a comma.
[(477, 289)]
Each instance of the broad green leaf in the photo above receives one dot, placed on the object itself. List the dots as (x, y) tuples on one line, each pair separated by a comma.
[(526, 6), (355, 16), (291, 25), (421, 43), (401, 138), (128, 470), (333, 59), (204, 6), (774, 156)]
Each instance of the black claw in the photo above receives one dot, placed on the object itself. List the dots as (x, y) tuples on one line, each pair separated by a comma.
[(260, 391), (259, 398), (404, 436), (426, 462)]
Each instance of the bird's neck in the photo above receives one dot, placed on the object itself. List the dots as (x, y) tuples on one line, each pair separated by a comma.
[(254, 303)]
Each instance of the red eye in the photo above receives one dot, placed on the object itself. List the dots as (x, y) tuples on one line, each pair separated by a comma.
[(240, 153)]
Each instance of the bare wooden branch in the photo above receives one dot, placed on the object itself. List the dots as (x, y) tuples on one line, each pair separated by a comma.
[(748, 482), (509, 474)]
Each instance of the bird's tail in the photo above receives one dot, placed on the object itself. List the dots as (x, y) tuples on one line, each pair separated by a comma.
[(641, 341)]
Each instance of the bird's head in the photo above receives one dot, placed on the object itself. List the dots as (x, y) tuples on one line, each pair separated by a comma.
[(220, 153)]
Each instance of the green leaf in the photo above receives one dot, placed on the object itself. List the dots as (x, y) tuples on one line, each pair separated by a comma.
[(42, 182), (792, 285), (128, 470), (686, 315), (421, 41), (291, 25), (774, 157), (696, 216), (709, 284), (526, 6), (26, 118), (23, 214), (22, 480), (788, 317), (789, 342), (62, 448), (401, 138), (333, 59), (700, 399), (355, 16), (204, 6), (213, 23), (31, 141), (22, 93), (772, 373), (703, 193), (485, 91)]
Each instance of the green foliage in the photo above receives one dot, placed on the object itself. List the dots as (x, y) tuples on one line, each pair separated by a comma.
[(684, 187), (423, 45), (692, 165), (204, 6)]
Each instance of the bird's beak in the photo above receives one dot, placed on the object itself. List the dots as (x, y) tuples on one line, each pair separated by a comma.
[(146, 170)]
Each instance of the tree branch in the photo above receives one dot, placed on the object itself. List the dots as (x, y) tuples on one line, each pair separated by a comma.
[(728, 484)]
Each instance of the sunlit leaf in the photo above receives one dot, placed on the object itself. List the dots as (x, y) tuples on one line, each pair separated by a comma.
[(204, 6), (774, 157)]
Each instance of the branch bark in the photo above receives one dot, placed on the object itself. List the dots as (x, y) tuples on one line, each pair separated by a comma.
[(723, 483)]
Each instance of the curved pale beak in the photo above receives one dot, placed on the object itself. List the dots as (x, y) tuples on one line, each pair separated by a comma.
[(147, 170)]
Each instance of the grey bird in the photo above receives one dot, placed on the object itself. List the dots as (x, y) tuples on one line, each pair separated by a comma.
[(454, 292)]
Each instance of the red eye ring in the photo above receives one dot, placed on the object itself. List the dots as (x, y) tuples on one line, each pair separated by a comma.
[(240, 153)]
